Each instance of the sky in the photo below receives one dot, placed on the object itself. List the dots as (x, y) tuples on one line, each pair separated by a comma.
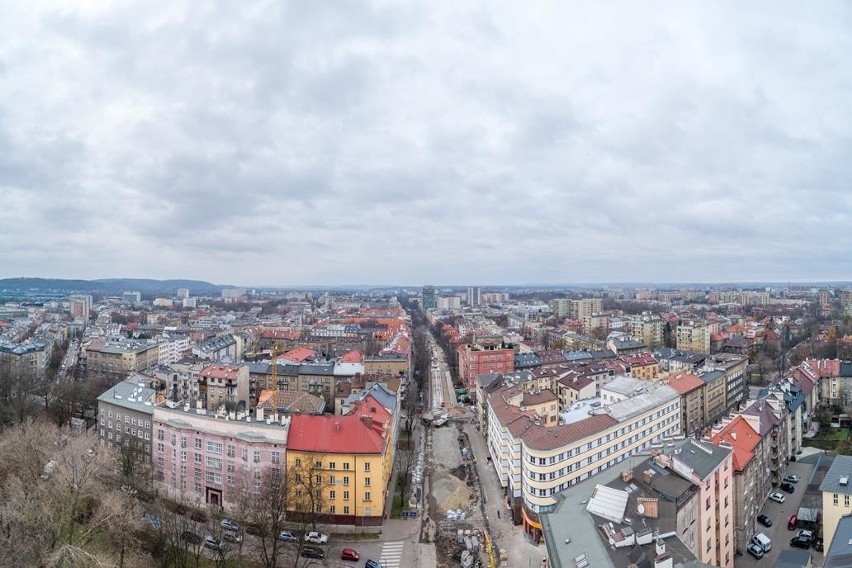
[(449, 142)]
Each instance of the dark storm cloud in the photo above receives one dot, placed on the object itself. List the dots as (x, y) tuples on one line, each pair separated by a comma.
[(332, 143)]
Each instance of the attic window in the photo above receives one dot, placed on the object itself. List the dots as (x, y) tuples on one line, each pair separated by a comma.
[(843, 480)]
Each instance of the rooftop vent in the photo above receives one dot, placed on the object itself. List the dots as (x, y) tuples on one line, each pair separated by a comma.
[(843, 480)]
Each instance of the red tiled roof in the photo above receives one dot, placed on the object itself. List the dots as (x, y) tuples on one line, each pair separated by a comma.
[(220, 372), (359, 432), (685, 382), (741, 436), (353, 356), (298, 354)]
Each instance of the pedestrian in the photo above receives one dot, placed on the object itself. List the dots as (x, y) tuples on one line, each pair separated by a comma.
[(498, 514)]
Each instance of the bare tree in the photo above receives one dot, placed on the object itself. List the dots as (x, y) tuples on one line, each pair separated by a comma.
[(262, 502), (304, 495), (405, 462)]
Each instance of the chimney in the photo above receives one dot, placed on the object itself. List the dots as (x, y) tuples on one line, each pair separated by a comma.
[(368, 420), (259, 413)]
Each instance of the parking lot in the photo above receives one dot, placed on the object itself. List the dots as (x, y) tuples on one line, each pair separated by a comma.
[(780, 513)]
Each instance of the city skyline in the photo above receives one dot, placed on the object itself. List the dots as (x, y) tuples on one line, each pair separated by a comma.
[(302, 145)]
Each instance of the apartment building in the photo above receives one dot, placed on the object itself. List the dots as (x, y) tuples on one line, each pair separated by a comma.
[(534, 461), (767, 417), (125, 418), (224, 385), (751, 479), (710, 468), (691, 391), (480, 359), (28, 357), (642, 365), (836, 495), (350, 461), (212, 458), (116, 360), (693, 336), (578, 309)]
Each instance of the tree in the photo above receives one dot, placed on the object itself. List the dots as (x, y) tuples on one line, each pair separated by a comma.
[(304, 495), (262, 503), (405, 463)]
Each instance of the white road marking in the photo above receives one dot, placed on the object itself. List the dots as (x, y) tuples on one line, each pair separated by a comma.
[(391, 554)]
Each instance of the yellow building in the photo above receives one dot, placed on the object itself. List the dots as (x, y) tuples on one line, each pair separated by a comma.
[(836, 495), (693, 336), (346, 460)]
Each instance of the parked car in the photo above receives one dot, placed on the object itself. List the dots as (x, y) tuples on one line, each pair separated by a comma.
[(350, 554), (198, 517), (191, 537), (212, 542), (788, 487), (777, 497), (179, 510), (256, 530), (791, 479), (316, 537), (753, 549), (231, 536), (801, 542), (791, 524), (287, 536), (229, 525), (764, 520), (312, 552), (372, 564), (152, 520)]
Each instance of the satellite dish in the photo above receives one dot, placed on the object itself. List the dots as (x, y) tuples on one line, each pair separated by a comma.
[(641, 509)]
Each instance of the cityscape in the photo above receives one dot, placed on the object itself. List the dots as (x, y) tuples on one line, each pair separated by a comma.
[(413, 284), (429, 426)]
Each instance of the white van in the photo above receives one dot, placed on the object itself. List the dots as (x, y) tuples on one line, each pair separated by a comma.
[(762, 541)]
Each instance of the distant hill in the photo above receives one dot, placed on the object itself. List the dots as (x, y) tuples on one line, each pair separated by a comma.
[(110, 285)]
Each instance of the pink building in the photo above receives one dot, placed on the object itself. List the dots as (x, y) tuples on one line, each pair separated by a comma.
[(481, 359), (711, 469), (205, 458)]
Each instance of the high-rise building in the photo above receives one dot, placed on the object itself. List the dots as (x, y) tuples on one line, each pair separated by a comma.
[(578, 309), (80, 308), (427, 298), (182, 293), (474, 296), (132, 297)]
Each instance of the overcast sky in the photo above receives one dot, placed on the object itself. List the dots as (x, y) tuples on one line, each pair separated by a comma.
[(273, 143)]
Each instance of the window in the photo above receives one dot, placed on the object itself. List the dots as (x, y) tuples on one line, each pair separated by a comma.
[(231, 480), (257, 456), (214, 447), (346, 496), (318, 465), (160, 448), (331, 509), (332, 494), (197, 458), (367, 466), (346, 510), (331, 465), (836, 498), (367, 496), (160, 435), (331, 480), (245, 455), (276, 457), (846, 500), (232, 451), (215, 463), (198, 443), (183, 455), (345, 465), (345, 480), (366, 482), (213, 477)]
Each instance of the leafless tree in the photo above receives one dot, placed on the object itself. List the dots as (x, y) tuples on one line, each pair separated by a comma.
[(304, 495), (262, 503)]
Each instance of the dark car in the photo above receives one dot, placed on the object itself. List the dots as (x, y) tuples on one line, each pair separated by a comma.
[(764, 520), (312, 552), (801, 542), (179, 510), (256, 530), (372, 564), (198, 517), (818, 544), (788, 487)]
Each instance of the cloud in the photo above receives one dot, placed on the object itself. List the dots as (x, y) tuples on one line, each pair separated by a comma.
[(297, 143)]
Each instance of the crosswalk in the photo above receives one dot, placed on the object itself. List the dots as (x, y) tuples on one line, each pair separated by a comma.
[(391, 554)]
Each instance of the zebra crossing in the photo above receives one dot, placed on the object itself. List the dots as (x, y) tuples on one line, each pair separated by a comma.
[(391, 554)]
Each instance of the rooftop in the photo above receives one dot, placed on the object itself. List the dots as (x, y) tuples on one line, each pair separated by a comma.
[(838, 477), (839, 551), (132, 395), (571, 531)]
